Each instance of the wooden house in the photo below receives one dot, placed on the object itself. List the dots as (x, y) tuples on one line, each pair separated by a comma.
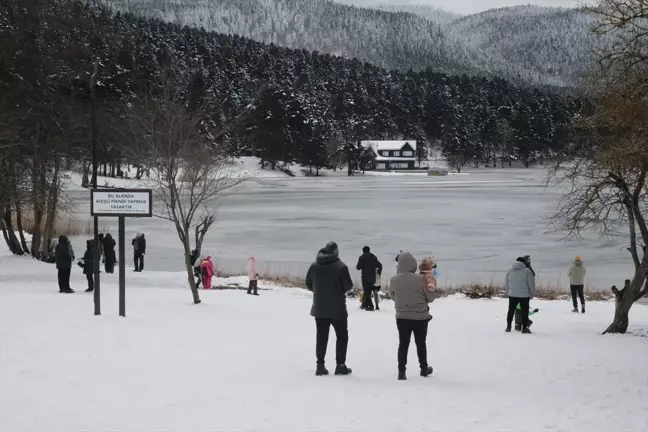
[(391, 155)]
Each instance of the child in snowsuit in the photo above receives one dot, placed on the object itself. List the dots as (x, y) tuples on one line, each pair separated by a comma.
[(427, 269), (207, 272), (518, 317), (253, 276)]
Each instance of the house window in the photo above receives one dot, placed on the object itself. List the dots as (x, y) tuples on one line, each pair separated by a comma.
[(408, 154), (399, 165), (396, 154), (384, 153), (381, 166)]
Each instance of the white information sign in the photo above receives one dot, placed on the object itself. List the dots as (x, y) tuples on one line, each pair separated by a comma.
[(129, 203)]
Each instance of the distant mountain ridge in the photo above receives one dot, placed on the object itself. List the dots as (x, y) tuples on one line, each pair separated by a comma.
[(547, 46)]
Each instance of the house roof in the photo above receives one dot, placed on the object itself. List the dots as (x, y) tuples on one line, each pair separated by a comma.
[(388, 145)]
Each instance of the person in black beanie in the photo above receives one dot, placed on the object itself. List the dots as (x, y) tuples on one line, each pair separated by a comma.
[(369, 265), (527, 262), (330, 281)]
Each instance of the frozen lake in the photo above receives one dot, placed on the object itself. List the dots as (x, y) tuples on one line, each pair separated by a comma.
[(475, 225)]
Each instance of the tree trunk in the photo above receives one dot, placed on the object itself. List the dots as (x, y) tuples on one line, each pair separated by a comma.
[(21, 231), (52, 204), (13, 243), (189, 268), (38, 203), (621, 311), (624, 301), (85, 181)]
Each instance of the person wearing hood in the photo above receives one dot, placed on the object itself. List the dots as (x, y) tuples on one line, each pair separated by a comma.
[(576, 274), (520, 287), (64, 257), (253, 276), (330, 281), (411, 296), (369, 266), (139, 249), (527, 261), (207, 272), (88, 264), (109, 253)]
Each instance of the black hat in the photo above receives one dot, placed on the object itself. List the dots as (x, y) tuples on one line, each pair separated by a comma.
[(366, 249)]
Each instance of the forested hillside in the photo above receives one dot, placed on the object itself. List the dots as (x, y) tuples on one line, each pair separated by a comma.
[(435, 15), (286, 105), (554, 43), (539, 45)]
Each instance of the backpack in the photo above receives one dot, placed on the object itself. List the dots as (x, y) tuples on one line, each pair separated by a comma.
[(204, 270)]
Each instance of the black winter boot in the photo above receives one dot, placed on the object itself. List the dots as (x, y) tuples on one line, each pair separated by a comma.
[(426, 371), (508, 328), (526, 330), (401, 375), (342, 370), (583, 309), (321, 370)]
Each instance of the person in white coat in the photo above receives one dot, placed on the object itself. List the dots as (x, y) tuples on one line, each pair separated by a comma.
[(576, 274)]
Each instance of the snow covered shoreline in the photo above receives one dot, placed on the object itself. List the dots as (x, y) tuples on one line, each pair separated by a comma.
[(235, 362)]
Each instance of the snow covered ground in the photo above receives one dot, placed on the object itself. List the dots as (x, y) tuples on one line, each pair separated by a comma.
[(243, 363)]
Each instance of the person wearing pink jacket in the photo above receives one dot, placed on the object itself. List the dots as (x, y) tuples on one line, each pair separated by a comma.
[(207, 272), (253, 276)]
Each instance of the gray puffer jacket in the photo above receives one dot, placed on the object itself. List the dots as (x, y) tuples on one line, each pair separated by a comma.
[(409, 290), (520, 281)]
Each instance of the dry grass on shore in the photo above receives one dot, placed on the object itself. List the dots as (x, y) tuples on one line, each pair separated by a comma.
[(473, 290), (66, 226)]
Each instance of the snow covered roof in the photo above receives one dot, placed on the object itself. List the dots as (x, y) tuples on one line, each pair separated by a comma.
[(388, 145)]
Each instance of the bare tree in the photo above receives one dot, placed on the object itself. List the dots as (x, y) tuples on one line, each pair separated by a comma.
[(606, 171), (189, 170)]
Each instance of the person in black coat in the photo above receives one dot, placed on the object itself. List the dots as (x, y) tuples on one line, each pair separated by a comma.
[(88, 264), (330, 281), (64, 257), (139, 249), (109, 253), (368, 265)]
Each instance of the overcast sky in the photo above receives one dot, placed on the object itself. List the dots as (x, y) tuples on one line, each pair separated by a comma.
[(471, 6)]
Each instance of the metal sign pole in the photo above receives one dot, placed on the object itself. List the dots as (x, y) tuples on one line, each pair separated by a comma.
[(122, 267), (120, 203)]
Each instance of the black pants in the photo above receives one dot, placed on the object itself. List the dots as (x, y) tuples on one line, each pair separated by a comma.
[(64, 279), (139, 261), (198, 277), (578, 290), (367, 290), (253, 286), (90, 278), (405, 329), (110, 261), (341, 333), (524, 310)]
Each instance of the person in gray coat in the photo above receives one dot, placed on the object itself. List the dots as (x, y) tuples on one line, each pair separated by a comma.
[(411, 297), (520, 287)]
